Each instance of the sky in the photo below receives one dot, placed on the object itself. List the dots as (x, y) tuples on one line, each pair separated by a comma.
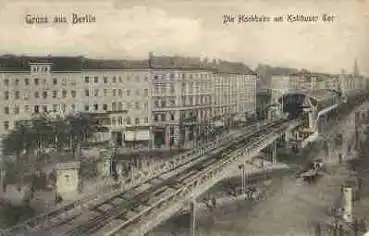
[(132, 29)]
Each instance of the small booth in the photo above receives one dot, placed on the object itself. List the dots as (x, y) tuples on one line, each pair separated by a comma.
[(67, 180)]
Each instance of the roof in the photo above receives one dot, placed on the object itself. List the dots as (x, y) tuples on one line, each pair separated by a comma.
[(322, 94), (96, 64), (21, 63), (79, 63), (68, 165), (321, 98)]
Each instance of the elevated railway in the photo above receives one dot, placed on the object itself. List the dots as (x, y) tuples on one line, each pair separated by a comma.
[(161, 190)]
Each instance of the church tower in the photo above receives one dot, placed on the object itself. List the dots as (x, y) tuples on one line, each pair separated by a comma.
[(356, 69)]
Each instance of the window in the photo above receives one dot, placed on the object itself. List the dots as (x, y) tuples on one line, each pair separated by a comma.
[(146, 78), (44, 108), (63, 107), (120, 120), (37, 95), (171, 76), (146, 92), (6, 110), (26, 108), (16, 82), (146, 120), (96, 92), (128, 120), (163, 104), (128, 92), (156, 77), (73, 92), (162, 117), (137, 121), (16, 94), (37, 81), (16, 110), (26, 81), (113, 121), (156, 117), (6, 95), (137, 105), (64, 93), (87, 92), (120, 106), (114, 79), (55, 107), (36, 109), (87, 79), (44, 94), (171, 130), (87, 107), (105, 107), (6, 125), (55, 94), (156, 103), (172, 89), (55, 81), (120, 79), (172, 102), (6, 82), (96, 79), (172, 117), (73, 106), (114, 106), (105, 79), (96, 107), (114, 92), (120, 92), (105, 92)]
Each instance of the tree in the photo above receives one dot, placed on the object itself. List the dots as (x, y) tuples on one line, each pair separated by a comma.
[(60, 133), (81, 127), (19, 143)]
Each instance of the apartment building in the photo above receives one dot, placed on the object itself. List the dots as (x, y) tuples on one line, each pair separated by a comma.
[(163, 101), (190, 95)]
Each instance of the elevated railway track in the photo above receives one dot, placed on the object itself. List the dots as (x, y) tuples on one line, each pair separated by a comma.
[(163, 170)]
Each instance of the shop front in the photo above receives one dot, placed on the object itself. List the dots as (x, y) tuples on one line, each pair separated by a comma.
[(137, 138), (159, 136)]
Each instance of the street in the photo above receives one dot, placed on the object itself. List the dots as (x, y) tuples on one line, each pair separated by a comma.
[(291, 209)]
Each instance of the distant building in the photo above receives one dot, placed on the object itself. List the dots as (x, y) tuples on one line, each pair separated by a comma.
[(310, 81), (158, 101), (282, 84)]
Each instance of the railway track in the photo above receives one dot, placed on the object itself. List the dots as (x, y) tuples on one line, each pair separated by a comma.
[(127, 207), (66, 212)]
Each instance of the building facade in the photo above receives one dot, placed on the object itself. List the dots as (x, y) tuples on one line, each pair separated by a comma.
[(162, 101)]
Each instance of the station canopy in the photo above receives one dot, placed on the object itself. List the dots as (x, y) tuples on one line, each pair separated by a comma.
[(321, 99)]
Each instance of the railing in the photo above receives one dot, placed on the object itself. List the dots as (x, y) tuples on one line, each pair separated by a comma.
[(184, 161), (203, 180)]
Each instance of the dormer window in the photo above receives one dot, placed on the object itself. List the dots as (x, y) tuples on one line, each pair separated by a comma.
[(40, 67)]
